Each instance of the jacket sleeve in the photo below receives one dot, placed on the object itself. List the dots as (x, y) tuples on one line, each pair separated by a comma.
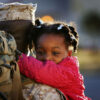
[(45, 72)]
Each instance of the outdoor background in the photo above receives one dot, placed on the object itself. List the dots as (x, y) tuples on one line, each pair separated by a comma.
[(86, 15)]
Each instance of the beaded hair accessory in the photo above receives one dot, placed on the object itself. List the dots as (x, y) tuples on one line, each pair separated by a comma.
[(71, 48), (60, 27), (38, 26), (73, 37), (39, 23)]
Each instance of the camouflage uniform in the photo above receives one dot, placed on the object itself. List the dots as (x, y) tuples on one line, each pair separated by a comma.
[(38, 91), (9, 71)]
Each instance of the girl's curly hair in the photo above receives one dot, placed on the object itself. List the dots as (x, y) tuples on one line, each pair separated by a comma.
[(40, 28)]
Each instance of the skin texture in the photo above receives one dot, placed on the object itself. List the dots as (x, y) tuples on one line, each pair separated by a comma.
[(51, 47)]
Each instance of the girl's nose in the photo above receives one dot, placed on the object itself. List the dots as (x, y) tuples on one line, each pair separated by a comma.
[(47, 57)]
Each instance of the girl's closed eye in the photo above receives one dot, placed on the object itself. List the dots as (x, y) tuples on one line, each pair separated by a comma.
[(56, 53)]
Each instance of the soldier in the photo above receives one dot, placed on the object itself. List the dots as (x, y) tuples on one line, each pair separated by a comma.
[(18, 19)]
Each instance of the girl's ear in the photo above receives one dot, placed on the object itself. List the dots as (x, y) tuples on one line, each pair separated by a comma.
[(70, 53), (70, 50)]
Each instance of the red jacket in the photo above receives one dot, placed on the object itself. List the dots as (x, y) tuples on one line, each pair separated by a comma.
[(64, 76)]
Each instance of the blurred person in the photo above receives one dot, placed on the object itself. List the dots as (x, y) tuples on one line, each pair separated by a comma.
[(54, 64)]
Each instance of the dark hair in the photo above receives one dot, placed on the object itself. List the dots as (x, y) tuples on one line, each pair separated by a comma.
[(59, 28)]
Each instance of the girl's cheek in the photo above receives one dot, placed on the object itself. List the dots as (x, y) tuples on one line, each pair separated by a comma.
[(57, 60), (60, 58)]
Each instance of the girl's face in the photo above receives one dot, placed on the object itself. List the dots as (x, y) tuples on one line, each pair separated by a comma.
[(51, 47)]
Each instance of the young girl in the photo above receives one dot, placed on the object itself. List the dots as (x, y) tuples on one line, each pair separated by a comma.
[(54, 65)]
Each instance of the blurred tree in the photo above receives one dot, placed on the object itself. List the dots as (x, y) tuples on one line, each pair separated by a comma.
[(90, 22)]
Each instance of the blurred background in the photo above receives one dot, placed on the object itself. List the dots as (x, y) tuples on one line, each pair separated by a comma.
[(86, 16)]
